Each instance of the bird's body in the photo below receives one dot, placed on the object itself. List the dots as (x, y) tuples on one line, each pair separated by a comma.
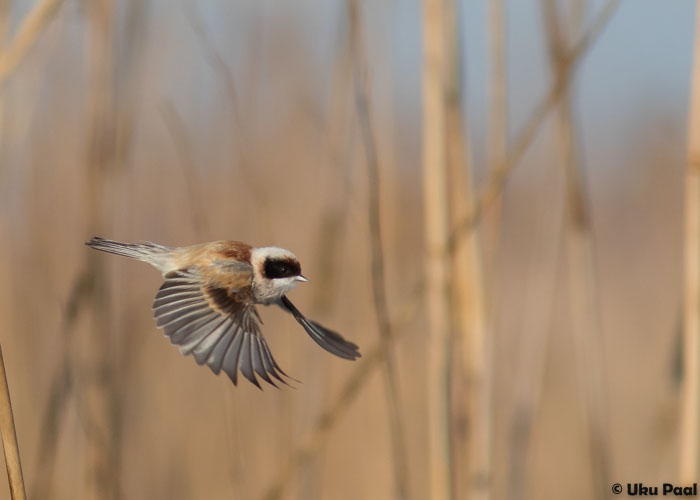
[(206, 304)]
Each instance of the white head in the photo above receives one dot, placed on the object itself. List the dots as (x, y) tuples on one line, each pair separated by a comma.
[(275, 272)]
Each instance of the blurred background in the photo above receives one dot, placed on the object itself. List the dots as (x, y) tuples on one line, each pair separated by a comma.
[(538, 354)]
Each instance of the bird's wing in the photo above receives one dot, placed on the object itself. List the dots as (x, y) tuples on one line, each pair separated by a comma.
[(217, 325), (328, 339)]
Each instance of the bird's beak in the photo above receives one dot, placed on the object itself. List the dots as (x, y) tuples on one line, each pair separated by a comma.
[(301, 278)]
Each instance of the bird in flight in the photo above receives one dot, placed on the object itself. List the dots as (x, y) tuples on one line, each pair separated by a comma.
[(206, 304)]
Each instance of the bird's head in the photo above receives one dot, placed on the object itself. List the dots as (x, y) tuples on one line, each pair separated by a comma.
[(275, 272)]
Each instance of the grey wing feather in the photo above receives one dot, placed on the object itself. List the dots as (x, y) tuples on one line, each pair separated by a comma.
[(204, 337), (224, 336), (246, 356), (182, 333), (219, 349), (233, 356), (261, 367)]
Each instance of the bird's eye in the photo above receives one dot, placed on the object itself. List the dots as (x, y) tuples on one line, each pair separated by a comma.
[(279, 269)]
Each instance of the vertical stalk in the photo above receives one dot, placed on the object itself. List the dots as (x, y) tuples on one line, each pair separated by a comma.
[(9, 438), (385, 327), (436, 265), (583, 290), (497, 135), (690, 416), (471, 401), (97, 381)]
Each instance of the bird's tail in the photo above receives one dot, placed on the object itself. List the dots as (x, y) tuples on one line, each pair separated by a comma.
[(148, 252)]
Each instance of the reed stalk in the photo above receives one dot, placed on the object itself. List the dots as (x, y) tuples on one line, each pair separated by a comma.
[(583, 290), (492, 188), (9, 438), (494, 185), (470, 344), (378, 275), (690, 412), (497, 145), (435, 213), (540, 299), (535, 353), (62, 387), (97, 396)]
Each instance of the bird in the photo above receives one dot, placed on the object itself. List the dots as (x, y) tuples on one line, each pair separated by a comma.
[(207, 303)]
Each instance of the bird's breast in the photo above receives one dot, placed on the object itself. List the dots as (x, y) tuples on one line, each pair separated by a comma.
[(268, 291)]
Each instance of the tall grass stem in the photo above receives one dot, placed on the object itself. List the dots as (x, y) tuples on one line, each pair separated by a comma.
[(435, 210), (9, 438), (690, 413)]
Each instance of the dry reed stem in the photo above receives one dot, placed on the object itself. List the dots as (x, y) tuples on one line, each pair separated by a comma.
[(61, 389), (392, 388), (50, 431), (494, 184), (435, 213), (496, 181), (9, 438), (79, 297), (470, 344), (338, 151), (535, 355), (497, 140), (583, 296), (97, 395), (380, 304), (29, 30), (690, 413), (530, 375)]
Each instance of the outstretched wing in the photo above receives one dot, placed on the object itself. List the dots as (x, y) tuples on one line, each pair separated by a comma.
[(217, 326), (328, 339)]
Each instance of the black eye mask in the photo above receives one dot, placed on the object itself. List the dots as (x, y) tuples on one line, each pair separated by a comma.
[(281, 268)]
